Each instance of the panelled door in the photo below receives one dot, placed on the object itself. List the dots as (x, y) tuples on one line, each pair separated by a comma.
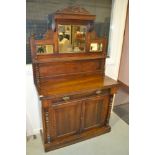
[(94, 112), (65, 118), (73, 117)]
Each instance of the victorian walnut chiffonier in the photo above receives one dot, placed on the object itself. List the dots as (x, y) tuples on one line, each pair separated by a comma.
[(68, 69)]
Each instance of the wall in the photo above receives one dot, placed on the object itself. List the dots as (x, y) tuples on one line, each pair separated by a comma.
[(117, 26), (33, 117), (124, 64), (39, 9)]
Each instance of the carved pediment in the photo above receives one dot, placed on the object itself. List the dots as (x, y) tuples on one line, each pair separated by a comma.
[(73, 10)]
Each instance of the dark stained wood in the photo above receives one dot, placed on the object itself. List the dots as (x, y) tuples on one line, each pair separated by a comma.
[(76, 85), (70, 57), (58, 68), (92, 113), (62, 142), (76, 96), (77, 10), (73, 13), (70, 114)]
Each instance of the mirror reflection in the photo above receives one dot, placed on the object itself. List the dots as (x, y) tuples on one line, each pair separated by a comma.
[(44, 49), (96, 47), (71, 38)]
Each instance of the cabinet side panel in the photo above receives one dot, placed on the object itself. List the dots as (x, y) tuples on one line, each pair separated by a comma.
[(104, 109)]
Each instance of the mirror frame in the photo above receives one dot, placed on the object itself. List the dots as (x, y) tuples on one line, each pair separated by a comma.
[(98, 41), (70, 24), (44, 43), (45, 49)]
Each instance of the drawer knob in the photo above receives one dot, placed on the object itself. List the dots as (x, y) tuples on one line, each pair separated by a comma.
[(66, 98), (98, 92)]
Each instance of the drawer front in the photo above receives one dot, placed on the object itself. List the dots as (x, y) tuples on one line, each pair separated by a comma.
[(80, 96)]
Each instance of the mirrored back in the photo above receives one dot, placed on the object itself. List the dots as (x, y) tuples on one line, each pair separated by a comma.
[(71, 38), (44, 49), (96, 47)]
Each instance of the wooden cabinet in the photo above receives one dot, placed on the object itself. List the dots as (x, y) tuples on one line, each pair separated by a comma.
[(75, 94), (79, 117), (74, 117)]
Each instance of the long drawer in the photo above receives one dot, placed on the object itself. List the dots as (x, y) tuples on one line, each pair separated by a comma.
[(80, 96)]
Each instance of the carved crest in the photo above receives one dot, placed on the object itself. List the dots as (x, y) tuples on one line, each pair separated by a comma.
[(73, 10)]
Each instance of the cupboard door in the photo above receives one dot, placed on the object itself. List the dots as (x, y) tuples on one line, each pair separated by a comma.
[(65, 118), (94, 112)]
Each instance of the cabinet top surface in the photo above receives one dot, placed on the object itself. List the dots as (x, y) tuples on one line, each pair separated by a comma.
[(73, 85)]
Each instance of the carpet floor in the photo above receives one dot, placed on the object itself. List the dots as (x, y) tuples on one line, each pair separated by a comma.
[(122, 111), (115, 142)]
